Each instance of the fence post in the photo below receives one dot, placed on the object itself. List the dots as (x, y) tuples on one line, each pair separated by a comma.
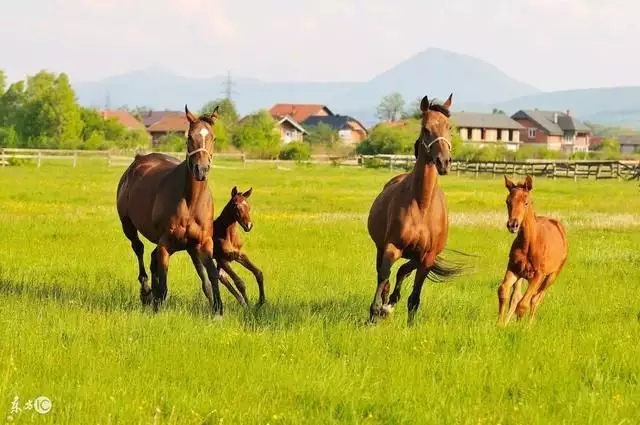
[(2, 158), (75, 159), (39, 158), (109, 163), (554, 170)]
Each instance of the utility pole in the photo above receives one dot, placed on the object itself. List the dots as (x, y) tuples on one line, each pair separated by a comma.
[(228, 87)]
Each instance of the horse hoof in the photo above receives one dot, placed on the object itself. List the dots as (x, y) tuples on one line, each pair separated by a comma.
[(146, 297), (387, 309)]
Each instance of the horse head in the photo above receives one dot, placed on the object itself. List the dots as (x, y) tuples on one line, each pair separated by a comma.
[(434, 141), (200, 140)]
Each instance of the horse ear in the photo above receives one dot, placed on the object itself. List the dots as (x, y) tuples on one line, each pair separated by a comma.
[(192, 118), (215, 114), (528, 184), (234, 191), (248, 193), (424, 104), (447, 104), (508, 183)]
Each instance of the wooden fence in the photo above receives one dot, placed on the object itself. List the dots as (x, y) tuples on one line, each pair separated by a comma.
[(548, 168)]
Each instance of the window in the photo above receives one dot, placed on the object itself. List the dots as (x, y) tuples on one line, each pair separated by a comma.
[(483, 134), (532, 133)]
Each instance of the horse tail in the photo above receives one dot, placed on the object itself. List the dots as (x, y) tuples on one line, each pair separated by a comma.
[(444, 269)]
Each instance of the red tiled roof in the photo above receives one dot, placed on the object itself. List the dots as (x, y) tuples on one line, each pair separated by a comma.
[(595, 140), (124, 118), (170, 124), (298, 111)]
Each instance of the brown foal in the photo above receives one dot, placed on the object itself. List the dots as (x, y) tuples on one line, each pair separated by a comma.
[(227, 245), (538, 253)]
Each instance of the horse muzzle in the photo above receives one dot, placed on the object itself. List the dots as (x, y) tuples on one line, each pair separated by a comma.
[(513, 226), (443, 165), (200, 172), (246, 226)]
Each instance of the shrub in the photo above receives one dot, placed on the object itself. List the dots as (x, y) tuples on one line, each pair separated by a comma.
[(297, 151)]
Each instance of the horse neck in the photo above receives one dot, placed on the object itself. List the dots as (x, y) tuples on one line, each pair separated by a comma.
[(529, 227), (425, 181), (226, 222), (194, 189)]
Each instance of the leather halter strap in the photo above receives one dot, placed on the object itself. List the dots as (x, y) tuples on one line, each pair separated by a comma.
[(437, 139)]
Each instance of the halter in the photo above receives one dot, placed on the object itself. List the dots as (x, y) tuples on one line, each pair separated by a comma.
[(203, 133), (437, 139)]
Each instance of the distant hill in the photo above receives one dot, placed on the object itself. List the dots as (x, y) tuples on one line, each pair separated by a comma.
[(433, 72), (477, 86), (616, 106)]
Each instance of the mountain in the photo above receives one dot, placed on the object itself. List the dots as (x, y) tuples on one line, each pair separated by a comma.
[(433, 72)]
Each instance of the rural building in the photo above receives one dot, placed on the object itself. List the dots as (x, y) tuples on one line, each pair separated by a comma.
[(151, 117), (290, 130), (629, 144), (486, 129), (124, 118), (349, 129), (299, 112), (555, 130), (168, 124)]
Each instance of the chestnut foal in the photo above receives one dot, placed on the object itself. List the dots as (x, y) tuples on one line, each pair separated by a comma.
[(538, 253), (227, 245)]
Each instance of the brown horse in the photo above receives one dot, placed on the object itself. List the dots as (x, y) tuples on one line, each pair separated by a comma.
[(169, 202), (409, 218), (538, 253), (227, 245)]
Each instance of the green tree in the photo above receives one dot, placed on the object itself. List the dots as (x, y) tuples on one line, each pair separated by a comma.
[(227, 112), (258, 135), (3, 82), (386, 139), (497, 111), (321, 134), (391, 107), (413, 111), (11, 104)]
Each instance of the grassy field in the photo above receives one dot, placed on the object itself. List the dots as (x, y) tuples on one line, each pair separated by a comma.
[(72, 328)]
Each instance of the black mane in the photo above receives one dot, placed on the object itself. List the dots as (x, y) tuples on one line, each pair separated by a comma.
[(206, 119), (440, 108)]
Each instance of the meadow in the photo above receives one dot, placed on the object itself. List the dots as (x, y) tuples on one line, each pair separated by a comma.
[(72, 327)]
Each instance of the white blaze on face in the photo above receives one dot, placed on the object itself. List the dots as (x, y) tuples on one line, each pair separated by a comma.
[(204, 132)]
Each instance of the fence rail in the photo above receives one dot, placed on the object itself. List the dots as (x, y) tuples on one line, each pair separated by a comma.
[(549, 168)]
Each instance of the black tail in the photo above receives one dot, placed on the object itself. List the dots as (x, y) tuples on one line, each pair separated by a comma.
[(444, 269)]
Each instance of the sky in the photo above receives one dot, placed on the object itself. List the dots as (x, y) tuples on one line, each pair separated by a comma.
[(551, 44)]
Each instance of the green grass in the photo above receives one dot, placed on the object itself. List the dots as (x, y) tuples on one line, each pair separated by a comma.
[(72, 329)]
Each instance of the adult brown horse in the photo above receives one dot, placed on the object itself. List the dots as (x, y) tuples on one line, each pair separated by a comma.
[(537, 254), (227, 245), (169, 202), (409, 219)]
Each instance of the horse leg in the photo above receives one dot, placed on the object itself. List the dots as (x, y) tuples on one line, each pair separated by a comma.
[(385, 260), (244, 261), (414, 299), (403, 272), (159, 268), (242, 296), (516, 296), (131, 233), (535, 301), (205, 253), (503, 292), (532, 289)]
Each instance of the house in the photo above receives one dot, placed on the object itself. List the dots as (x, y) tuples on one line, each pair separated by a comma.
[(299, 112), (151, 117), (349, 129), (487, 129), (124, 118), (290, 130), (629, 144), (555, 130), (168, 124)]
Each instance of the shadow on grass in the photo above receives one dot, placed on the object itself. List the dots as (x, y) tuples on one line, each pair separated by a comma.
[(274, 315)]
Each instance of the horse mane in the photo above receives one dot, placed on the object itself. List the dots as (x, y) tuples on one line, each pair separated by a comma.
[(439, 108), (206, 119)]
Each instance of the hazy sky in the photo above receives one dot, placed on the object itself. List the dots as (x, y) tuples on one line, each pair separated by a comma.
[(552, 44)]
